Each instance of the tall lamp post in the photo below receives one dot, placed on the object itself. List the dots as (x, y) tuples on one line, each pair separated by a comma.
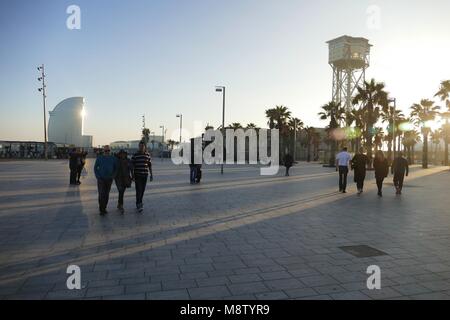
[(222, 89), (162, 142), (446, 115), (394, 100), (42, 89), (181, 124), (162, 127)]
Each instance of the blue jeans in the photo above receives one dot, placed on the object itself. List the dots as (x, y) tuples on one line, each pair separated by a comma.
[(343, 172)]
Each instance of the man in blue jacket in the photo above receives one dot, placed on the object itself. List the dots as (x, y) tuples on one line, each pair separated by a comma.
[(105, 169)]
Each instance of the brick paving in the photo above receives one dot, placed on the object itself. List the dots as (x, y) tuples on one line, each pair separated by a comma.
[(237, 236)]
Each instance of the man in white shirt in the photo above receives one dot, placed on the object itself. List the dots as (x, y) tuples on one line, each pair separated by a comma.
[(343, 160)]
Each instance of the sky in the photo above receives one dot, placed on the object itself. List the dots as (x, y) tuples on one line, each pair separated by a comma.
[(161, 58)]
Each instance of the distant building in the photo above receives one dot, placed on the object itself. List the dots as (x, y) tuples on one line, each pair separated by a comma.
[(155, 145), (65, 125)]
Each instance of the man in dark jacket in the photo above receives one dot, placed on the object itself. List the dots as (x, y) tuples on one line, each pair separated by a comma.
[(400, 167), (288, 162), (359, 163), (105, 169), (73, 165), (81, 162)]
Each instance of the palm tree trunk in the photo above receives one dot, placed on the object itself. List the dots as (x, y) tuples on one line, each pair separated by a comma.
[(425, 152), (446, 153)]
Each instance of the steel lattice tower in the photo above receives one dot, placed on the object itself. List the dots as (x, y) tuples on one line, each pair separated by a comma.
[(349, 57)]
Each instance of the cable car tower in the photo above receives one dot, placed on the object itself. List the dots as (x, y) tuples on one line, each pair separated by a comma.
[(349, 57)]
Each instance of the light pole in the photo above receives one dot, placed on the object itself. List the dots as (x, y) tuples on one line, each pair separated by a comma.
[(42, 89), (181, 124), (394, 100), (222, 89), (162, 142), (446, 130), (162, 127)]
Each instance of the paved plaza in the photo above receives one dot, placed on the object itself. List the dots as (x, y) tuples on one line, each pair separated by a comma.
[(236, 236)]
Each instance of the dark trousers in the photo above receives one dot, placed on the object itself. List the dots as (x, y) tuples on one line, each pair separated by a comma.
[(398, 180), (73, 175), (359, 183), (287, 170), (140, 183), (79, 169), (380, 183), (343, 172), (193, 173), (104, 187), (121, 189)]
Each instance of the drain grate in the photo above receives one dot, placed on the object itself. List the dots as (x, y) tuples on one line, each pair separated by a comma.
[(363, 251)]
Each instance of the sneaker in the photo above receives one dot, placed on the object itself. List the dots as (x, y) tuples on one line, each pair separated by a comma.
[(120, 207), (103, 212), (380, 194), (343, 191)]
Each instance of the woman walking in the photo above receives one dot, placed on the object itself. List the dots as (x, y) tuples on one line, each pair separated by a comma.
[(381, 167), (123, 177)]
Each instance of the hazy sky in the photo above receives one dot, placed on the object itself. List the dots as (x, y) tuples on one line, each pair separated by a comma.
[(160, 58)]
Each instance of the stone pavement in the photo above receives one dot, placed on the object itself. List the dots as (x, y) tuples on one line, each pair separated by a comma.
[(237, 236)]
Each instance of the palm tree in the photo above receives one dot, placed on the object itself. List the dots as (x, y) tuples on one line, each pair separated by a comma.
[(335, 113), (251, 126), (444, 94), (421, 113), (356, 116), (270, 114), (281, 116), (316, 144), (391, 115), (310, 134), (235, 126), (436, 137), (278, 118), (295, 124), (399, 118), (410, 139), (378, 138), (372, 95)]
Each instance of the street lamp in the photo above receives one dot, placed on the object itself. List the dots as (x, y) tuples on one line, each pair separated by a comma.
[(394, 100), (42, 89), (181, 124), (162, 127), (222, 89)]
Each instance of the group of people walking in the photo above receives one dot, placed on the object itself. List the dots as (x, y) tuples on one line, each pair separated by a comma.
[(123, 171), (345, 162), (77, 160)]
